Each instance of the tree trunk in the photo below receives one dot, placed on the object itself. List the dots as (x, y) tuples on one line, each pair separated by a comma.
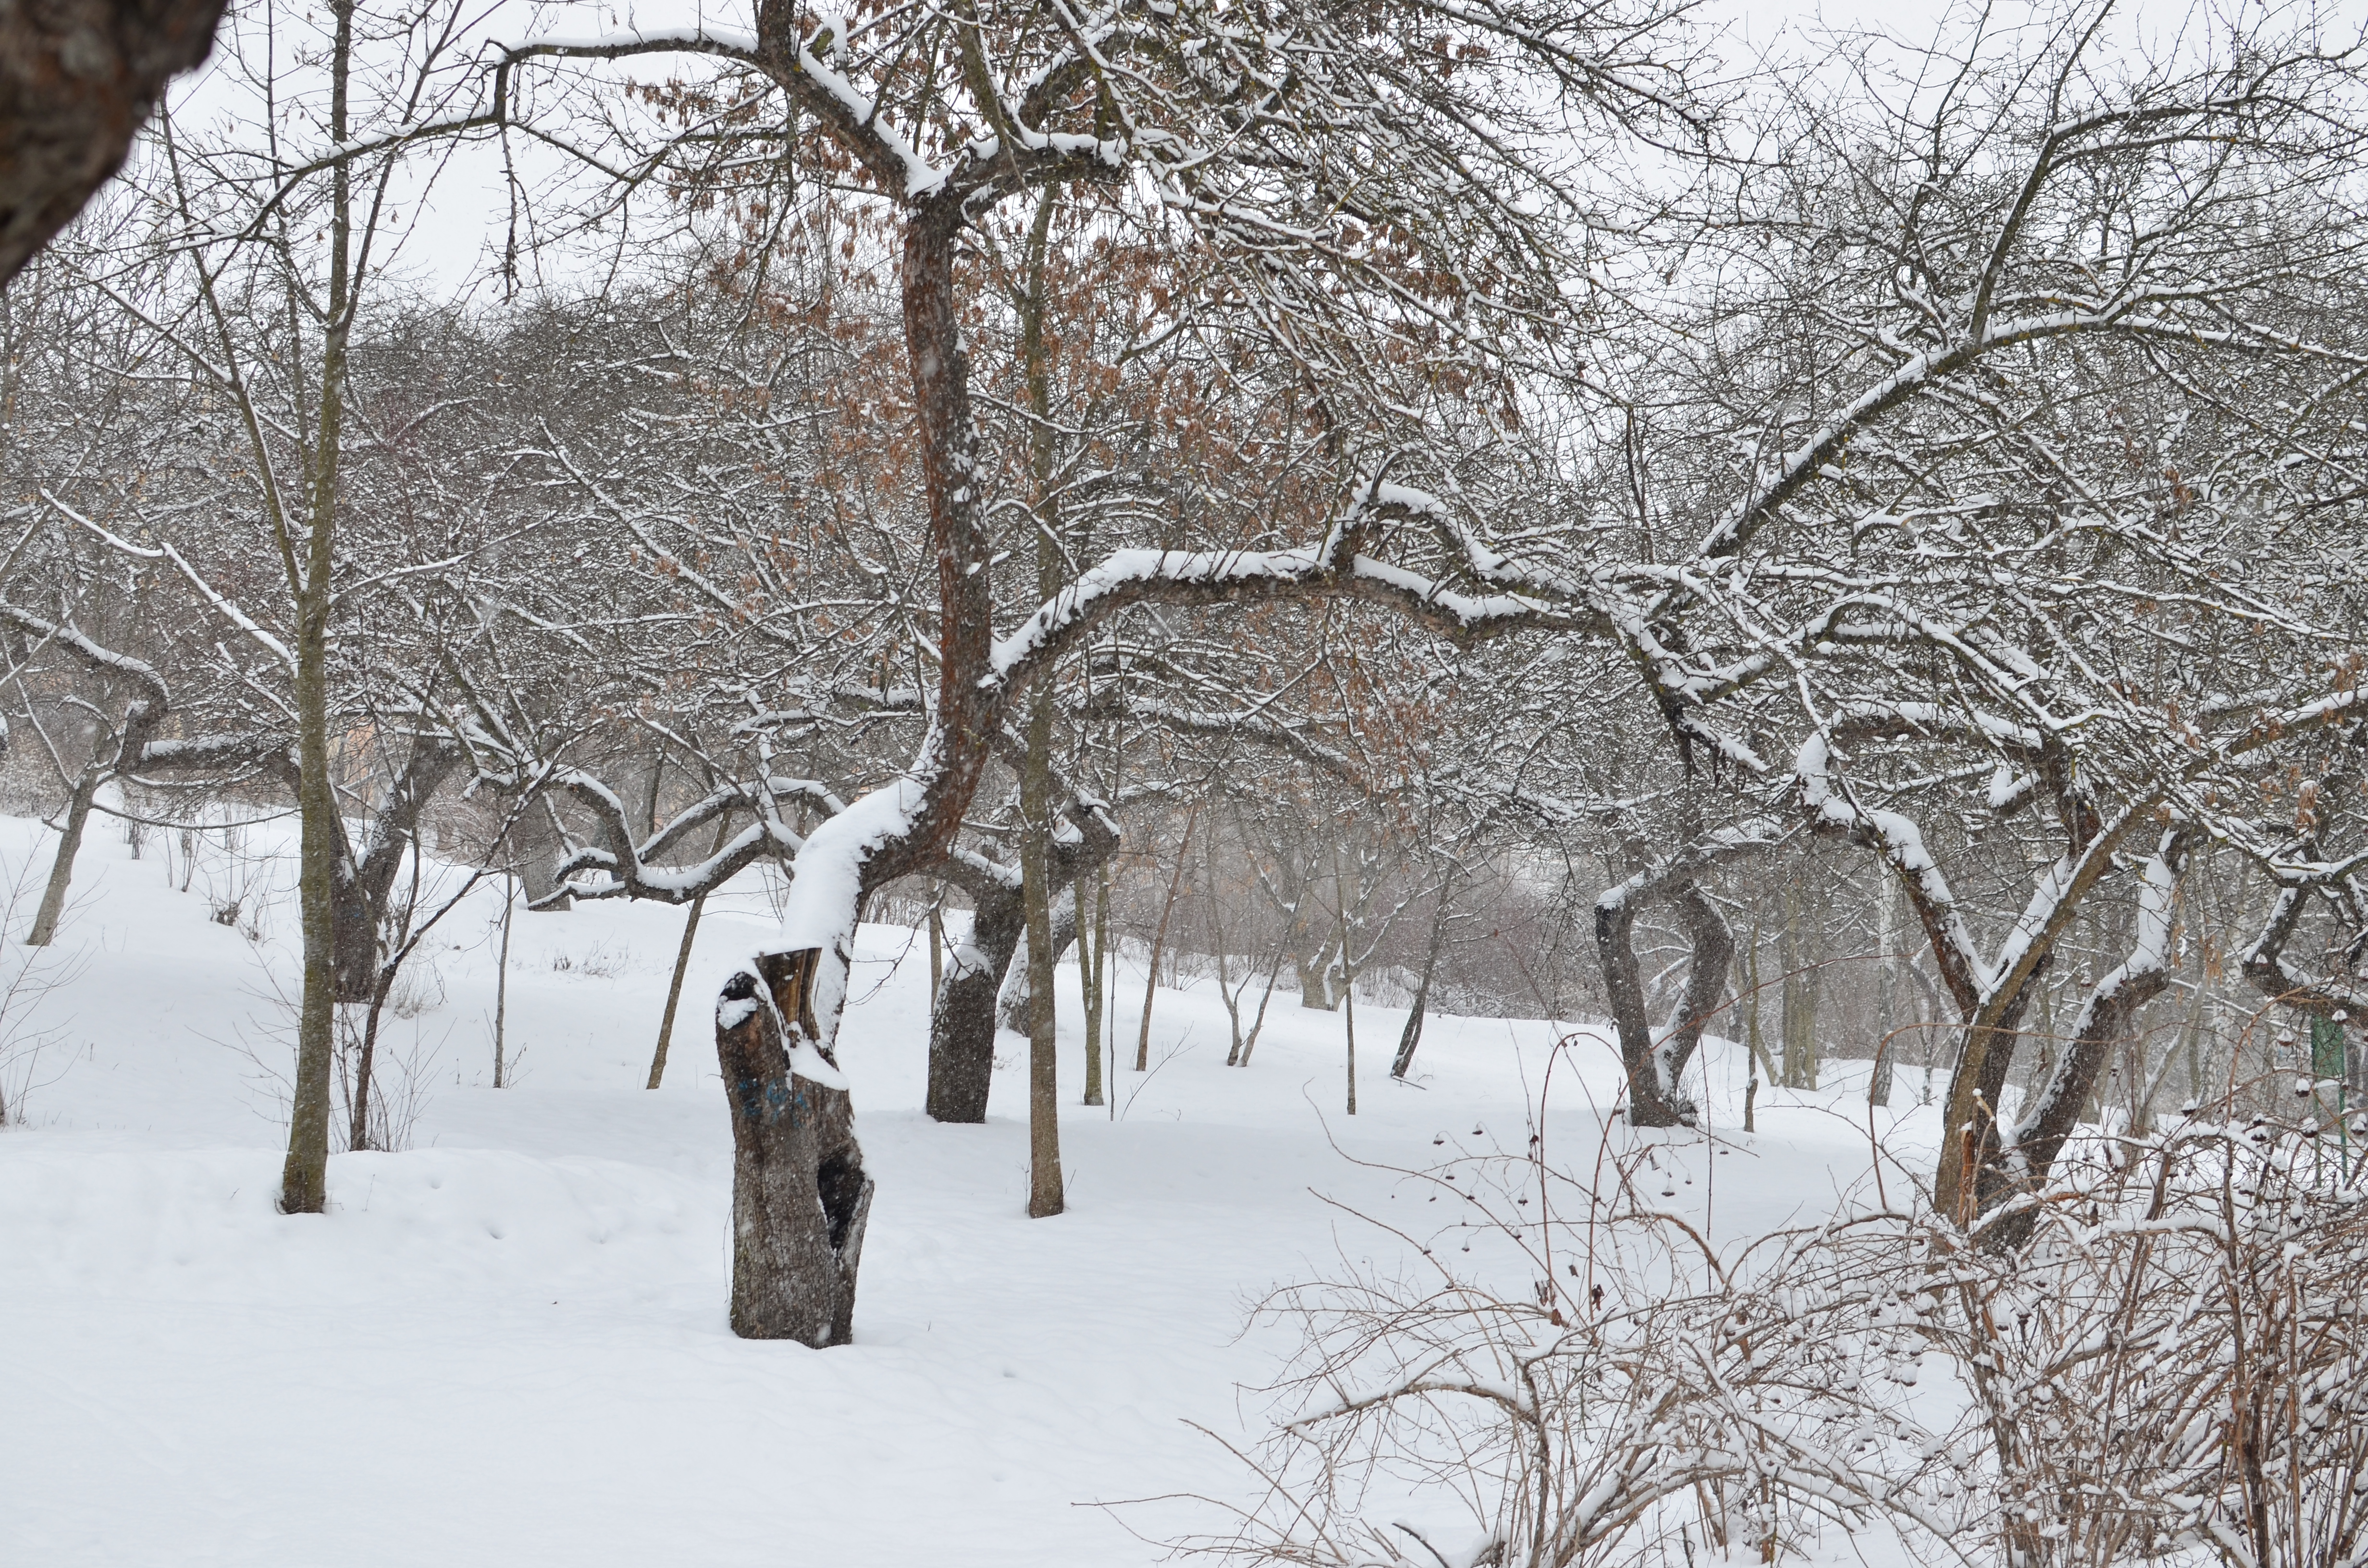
[(538, 842), (365, 883), (1802, 992), (674, 991), (963, 1031), (502, 978), (1158, 941), (1317, 975), (964, 1021), (1755, 1049), (304, 1178), (1093, 952), (1349, 1009), (1044, 1188), (800, 1195), (682, 956), (1974, 1143), (1012, 1003), (1411, 1035), (54, 896), (961, 1025), (1654, 1100), (1257, 1023), (2105, 1022), (1706, 973), (358, 1133), (1657, 1065), (1226, 993), (1046, 1192), (644, 784)]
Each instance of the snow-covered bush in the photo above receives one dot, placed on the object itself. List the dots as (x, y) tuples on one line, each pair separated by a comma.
[(2163, 1363), (2170, 1362), (1638, 1396)]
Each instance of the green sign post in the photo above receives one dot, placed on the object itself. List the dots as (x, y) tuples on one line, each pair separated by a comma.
[(2330, 1059), (2326, 1049)]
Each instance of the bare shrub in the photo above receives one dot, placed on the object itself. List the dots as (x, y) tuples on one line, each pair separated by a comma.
[(418, 988), (2170, 1358), (237, 883), (27, 976), (399, 1079), (1639, 1396), (599, 962), (401, 1073), (2158, 1359)]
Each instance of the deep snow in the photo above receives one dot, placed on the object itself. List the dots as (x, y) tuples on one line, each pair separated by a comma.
[(506, 1345)]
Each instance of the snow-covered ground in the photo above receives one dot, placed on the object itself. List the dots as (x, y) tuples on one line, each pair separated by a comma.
[(506, 1345)]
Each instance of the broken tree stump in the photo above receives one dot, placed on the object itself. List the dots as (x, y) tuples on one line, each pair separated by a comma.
[(800, 1195)]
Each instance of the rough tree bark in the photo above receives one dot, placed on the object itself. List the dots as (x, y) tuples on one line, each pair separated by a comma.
[(1411, 1035), (800, 1195), (77, 81), (539, 846), (2105, 1022), (363, 883), (963, 1024), (53, 895), (1655, 1066)]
